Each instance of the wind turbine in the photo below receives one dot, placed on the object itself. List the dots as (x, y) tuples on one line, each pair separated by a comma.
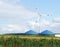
[(40, 15)]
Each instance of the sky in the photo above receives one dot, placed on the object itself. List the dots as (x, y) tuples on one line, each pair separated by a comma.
[(19, 16)]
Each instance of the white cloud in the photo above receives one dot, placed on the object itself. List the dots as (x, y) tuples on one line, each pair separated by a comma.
[(38, 25), (11, 1), (45, 25), (55, 27), (57, 20), (12, 29), (14, 14), (17, 16), (15, 10)]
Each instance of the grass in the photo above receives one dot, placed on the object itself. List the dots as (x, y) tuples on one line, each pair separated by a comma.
[(1, 46), (30, 36), (29, 41)]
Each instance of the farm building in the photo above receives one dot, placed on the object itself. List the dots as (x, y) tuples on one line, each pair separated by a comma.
[(47, 32), (31, 32)]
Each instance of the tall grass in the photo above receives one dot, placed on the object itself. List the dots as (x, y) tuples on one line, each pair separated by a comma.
[(29, 42)]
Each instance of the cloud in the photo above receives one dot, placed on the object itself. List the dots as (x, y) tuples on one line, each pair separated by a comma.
[(15, 11), (13, 17), (12, 29), (11, 1), (57, 20), (39, 27), (55, 27), (45, 25), (16, 18)]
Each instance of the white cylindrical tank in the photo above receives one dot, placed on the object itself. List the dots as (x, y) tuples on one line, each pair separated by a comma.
[(57, 35)]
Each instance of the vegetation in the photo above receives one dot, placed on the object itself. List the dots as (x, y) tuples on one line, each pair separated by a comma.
[(18, 41)]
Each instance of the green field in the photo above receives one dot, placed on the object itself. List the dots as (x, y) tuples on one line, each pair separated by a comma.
[(28, 41)]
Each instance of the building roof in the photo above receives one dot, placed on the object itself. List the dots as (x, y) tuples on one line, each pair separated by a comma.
[(30, 32), (47, 32)]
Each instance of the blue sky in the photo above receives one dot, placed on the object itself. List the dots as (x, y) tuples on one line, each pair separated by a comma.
[(21, 15), (45, 6)]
